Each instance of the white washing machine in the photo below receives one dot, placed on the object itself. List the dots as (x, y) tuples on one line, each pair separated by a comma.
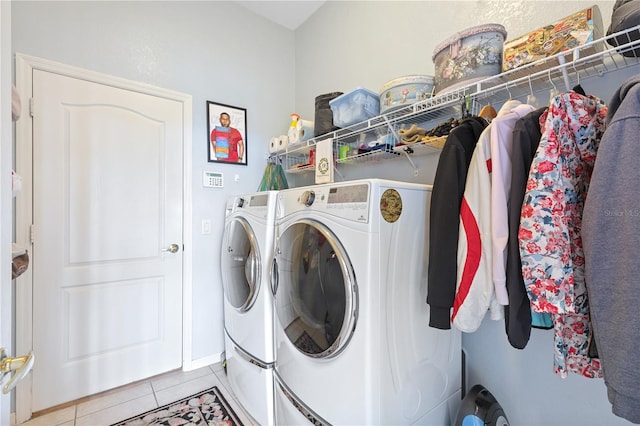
[(246, 259), (353, 345)]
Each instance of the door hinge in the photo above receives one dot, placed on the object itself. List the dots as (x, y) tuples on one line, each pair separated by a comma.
[(32, 233), (31, 107)]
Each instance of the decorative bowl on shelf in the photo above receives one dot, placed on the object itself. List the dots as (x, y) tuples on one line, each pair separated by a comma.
[(404, 91), (468, 56)]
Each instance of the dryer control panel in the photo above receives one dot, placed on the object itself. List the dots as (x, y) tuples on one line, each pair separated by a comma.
[(349, 194), (347, 201)]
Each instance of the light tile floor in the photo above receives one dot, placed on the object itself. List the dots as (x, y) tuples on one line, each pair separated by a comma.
[(121, 403)]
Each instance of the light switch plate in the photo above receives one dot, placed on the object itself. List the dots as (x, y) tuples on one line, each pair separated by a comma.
[(206, 226)]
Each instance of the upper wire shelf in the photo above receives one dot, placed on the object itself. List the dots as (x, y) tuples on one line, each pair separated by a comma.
[(563, 70), (560, 71)]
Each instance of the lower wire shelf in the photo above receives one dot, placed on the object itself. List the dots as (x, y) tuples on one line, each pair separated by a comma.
[(427, 147), (369, 157)]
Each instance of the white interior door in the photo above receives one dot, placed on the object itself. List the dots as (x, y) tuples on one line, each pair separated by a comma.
[(107, 204)]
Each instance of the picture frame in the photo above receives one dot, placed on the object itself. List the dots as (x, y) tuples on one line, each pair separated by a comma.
[(226, 134)]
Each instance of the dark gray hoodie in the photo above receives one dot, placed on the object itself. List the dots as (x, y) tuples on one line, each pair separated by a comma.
[(611, 242)]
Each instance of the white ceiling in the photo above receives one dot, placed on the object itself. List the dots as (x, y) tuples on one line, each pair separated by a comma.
[(289, 14)]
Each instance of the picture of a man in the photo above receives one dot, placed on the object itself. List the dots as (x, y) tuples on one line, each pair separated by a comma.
[(226, 142)]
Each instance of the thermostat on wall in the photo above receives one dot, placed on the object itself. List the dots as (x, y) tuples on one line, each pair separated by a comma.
[(213, 180)]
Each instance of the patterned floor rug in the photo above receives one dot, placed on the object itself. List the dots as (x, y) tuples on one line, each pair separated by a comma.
[(206, 408)]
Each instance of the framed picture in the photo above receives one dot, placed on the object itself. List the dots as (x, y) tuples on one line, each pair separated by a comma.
[(227, 133)]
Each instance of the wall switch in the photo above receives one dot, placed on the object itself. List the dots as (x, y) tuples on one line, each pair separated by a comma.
[(206, 226)]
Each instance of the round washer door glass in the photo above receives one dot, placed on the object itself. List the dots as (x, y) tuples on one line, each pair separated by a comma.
[(240, 264), (316, 292)]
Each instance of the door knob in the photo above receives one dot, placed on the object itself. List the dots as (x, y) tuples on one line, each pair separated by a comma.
[(20, 364), (173, 248)]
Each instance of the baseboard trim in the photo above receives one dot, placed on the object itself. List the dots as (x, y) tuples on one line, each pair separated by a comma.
[(204, 362)]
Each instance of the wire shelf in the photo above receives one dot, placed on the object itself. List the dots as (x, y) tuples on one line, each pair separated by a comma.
[(369, 157), (300, 169), (561, 71), (296, 164), (430, 146)]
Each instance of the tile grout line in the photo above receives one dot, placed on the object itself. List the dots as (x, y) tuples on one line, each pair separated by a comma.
[(155, 395)]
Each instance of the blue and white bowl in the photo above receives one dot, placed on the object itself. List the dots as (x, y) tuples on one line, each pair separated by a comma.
[(404, 91)]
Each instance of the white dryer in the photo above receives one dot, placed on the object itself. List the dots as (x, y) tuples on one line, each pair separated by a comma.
[(246, 258), (353, 345)]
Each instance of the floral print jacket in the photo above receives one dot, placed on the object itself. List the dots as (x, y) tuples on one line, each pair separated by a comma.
[(550, 223)]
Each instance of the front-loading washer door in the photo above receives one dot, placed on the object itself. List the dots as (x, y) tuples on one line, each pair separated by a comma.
[(240, 264), (316, 295)]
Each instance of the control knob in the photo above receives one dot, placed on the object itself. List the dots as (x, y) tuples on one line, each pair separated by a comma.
[(307, 198)]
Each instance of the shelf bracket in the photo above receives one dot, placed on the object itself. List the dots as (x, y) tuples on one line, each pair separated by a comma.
[(392, 131), (565, 74), (407, 151)]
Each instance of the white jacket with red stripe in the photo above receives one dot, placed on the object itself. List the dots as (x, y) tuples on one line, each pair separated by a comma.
[(475, 292)]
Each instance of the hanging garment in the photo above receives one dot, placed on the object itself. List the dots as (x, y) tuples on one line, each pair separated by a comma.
[(550, 222), (273, 178), (444, 218), (501, 148), (475, 292), (611, 237), (518, 315)]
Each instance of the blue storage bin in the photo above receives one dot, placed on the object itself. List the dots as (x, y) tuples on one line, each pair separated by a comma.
[(358, 105)]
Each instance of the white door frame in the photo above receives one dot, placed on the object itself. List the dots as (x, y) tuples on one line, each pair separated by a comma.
[(25, 65), (6, 154)]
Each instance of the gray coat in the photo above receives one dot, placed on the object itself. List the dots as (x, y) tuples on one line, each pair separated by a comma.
[(611, 242)]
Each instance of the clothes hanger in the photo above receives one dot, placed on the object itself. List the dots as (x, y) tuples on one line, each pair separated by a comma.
[(531, 98), (554, 91), (466, 106), (578, 88), (488, 112)]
